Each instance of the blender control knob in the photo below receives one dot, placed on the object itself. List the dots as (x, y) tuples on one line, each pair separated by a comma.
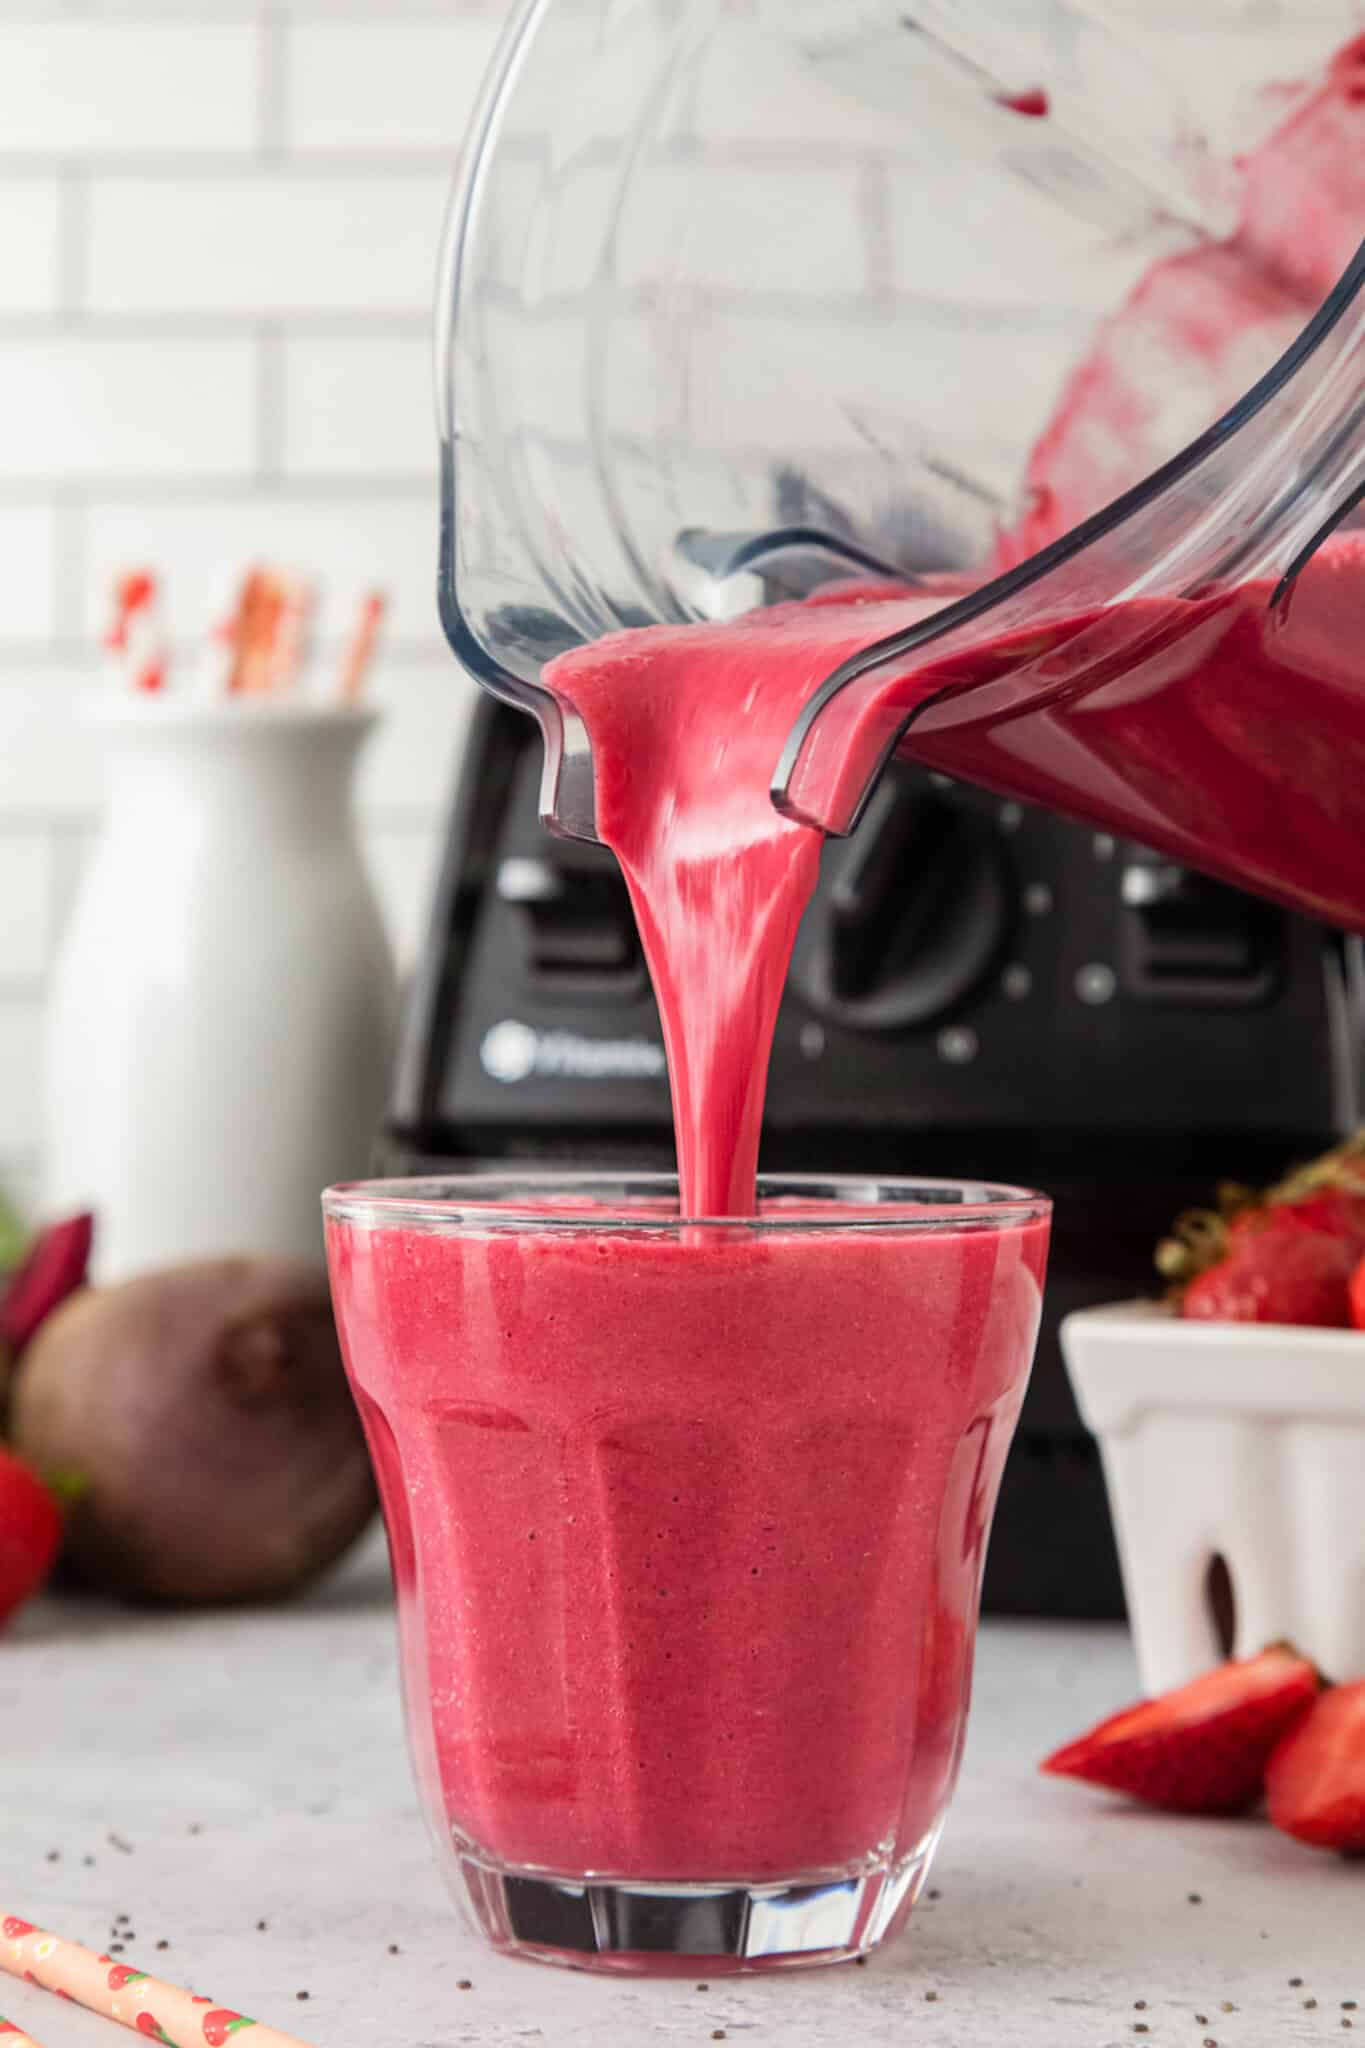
[(912, 913)]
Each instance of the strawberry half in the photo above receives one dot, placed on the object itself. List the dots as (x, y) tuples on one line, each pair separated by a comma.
[(1200, 1749), (1315, 1782)]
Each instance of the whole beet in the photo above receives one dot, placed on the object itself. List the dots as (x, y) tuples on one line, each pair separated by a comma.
[(205, 1412)]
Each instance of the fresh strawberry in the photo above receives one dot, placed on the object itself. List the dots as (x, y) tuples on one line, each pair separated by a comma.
[(1277, 1256), (1281, 1266), (1358, 1296), (1315, 1782), (55, 1266), (30, 1533), (1204, 1747), (1339, 1211)]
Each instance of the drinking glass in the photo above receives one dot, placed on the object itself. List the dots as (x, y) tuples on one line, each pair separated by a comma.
[(688, 1519)]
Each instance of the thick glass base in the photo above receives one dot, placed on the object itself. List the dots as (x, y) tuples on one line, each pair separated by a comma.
[(673, 1929)]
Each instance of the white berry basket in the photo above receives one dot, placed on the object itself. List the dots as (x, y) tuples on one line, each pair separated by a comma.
[(1239, 1442)]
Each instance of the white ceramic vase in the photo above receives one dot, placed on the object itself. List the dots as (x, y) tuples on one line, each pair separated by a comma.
[(222, 1007), (1239, 1441)]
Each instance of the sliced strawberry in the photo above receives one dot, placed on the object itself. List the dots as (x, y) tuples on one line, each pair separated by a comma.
[(55, 1266), (1202, 1748), (1315, 1782), (1280, 1267), (30, 1533)]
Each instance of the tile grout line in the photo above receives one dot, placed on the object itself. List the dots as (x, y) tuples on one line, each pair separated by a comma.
[(270, 405), (874, 210), (272, 88), (155, 164), (70, 565), (229, 326)]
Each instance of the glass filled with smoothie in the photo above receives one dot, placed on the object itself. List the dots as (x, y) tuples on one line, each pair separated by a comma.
[(688, 1521)]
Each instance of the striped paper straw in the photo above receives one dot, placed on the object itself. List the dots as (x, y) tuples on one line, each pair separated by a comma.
[(122, 1992), (135, 637), (290, 650), (355, 662), (254, 632)]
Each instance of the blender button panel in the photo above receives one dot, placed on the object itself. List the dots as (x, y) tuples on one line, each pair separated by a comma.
[(1096, 984), (958, 1045), (812, 1040)]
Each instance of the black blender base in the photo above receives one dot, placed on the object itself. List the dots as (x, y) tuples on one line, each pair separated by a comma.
[(1052, 1548)]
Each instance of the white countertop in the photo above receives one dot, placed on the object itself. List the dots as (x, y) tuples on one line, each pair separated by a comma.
[(251, 1767)]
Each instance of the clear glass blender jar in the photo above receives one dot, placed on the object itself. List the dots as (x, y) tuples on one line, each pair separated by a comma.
[(742, 294)]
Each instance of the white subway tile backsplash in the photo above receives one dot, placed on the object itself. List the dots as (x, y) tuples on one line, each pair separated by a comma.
[(359, 405), (403, 862), (758, 379), (71, 844), (30, 216), (51, 755), (85, 406), (409, 765), (757, 87), (21, 1037), (350, 541), (128, 87), (26, 890), (264, 242), (388, 85), (20, 1184), (28, 568), (1049, 261), (792, 230), (371, 11)]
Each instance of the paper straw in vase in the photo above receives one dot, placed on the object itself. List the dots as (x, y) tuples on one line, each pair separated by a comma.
[(122, 1992), (255, 634), (355, 662), (291, 637), (14, 2037), (135, 637)]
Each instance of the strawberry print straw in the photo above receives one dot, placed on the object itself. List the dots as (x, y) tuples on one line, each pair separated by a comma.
[(121, 1992), (14, 2037)]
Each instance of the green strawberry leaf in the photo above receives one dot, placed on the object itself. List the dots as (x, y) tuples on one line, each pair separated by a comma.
[(66, 1484), (13, 1236)]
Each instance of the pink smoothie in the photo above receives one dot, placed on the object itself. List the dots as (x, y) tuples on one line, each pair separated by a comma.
[(689, 1532)]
